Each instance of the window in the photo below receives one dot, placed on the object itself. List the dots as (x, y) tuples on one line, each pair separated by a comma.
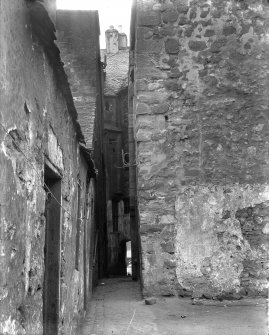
[(126, 205), (115, 215), (107, 106)]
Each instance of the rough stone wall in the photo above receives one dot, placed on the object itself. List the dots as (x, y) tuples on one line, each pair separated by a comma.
[(116, 71), (35, 127), (201, 127)]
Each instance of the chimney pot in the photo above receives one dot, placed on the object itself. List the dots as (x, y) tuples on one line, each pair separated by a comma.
[(122, 41), (112, 40)]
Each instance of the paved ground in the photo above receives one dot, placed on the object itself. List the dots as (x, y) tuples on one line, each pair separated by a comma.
[(117, 308)]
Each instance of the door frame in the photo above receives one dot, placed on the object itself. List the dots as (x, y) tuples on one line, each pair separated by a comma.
[(52, 259)]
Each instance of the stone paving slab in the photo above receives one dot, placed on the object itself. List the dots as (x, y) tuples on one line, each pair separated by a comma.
[(117, 308)]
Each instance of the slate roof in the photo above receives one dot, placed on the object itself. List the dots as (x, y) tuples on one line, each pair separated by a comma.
[(116, 71), (78, 40), (43, 28)]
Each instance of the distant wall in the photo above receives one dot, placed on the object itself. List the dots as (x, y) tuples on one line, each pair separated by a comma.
[(201, 130), (117, 181)]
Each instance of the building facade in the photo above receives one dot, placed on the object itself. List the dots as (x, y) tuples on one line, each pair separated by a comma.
[(199, 94), (48, 181), (177, 141), (116, 66), (78, 40)]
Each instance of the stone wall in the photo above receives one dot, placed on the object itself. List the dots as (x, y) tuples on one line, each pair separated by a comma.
[(202, 139), (78, 40), (38, 128)]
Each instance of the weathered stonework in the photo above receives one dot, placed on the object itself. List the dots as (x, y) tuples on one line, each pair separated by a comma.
[(39, 132), (78, 40), (201, 128)]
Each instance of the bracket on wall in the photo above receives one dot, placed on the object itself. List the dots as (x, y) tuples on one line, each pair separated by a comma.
[(125, 163)]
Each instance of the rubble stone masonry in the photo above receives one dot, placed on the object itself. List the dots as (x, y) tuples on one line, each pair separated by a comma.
[(202, 140)]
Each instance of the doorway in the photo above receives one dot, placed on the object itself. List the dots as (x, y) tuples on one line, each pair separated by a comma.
[(51, 294), (129, 258)]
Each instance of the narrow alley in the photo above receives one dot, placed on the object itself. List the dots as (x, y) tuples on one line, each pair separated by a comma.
[(117, 308), (134, 167)]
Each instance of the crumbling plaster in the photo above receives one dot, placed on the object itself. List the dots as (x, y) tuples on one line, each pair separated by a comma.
[(36, 126)]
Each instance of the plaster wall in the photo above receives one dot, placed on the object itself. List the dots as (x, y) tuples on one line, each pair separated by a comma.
[(36, 128), (78, 40)]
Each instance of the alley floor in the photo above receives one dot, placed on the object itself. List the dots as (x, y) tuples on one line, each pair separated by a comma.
[(117, 308)]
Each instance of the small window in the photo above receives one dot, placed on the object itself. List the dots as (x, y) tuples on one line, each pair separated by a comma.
[(107, 106), (126, 206), (115, 215)]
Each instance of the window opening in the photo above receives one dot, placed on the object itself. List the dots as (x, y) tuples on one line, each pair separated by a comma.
[(115, 215), (107, 106), (126, 205)]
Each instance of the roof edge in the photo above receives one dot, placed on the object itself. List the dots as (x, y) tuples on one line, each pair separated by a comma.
[(43, 28)]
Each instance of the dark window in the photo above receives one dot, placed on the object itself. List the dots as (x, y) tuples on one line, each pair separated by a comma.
[(107, 106), (126, 205), (115, 215)]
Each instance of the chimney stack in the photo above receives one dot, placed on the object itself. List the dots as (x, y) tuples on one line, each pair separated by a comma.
[(115, 40), (122, 41), (120, 29), (112, 40)]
